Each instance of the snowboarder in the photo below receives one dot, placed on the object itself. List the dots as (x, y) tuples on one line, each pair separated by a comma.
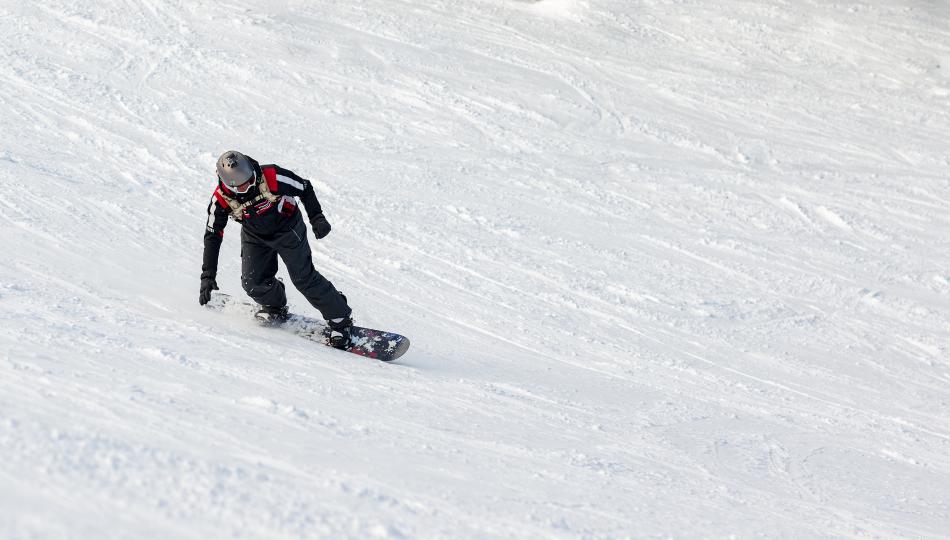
[(263, 199)]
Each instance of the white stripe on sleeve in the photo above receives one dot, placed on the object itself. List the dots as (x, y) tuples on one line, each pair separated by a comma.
[(290, 181), (211, 214)]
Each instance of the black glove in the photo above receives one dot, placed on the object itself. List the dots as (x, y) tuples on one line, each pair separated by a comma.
[(207, 285), (321, 227)]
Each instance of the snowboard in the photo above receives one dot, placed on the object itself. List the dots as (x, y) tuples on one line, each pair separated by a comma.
[(377, 344)]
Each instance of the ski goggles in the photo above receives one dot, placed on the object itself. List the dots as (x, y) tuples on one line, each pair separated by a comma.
[(246, 186)]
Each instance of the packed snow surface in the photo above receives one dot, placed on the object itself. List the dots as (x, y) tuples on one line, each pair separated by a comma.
[(669, 268)]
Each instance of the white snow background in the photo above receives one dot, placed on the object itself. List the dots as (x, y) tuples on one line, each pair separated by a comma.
[(670, 269)]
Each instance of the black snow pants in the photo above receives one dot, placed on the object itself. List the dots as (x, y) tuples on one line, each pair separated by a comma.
[(259, 268)]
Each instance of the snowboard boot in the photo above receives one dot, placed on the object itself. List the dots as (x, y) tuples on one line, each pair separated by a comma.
[(337, 332), (272, 316)]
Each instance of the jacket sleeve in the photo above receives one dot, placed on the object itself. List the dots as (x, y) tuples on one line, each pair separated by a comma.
[(288, 183), (214, 233)]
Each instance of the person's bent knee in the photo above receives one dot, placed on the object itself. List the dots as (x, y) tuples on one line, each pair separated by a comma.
[(258, 288)]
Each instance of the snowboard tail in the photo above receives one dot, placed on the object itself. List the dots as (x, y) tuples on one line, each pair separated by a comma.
[(368, 342)]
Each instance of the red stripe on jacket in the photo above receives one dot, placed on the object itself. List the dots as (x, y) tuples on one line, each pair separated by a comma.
[(220, 199), (270, 174)]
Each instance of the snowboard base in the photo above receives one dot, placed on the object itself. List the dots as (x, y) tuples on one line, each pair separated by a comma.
[(368, 342)]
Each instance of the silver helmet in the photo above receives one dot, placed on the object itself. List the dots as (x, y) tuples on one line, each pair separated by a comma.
[(235, 169)]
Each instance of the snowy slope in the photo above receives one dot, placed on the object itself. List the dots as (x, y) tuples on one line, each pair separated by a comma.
[(670, 269)]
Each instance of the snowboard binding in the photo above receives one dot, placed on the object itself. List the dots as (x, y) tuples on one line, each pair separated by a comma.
[(337, 332), (272, 316)]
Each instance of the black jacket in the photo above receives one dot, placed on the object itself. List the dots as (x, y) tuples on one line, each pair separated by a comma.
[(264, 219)]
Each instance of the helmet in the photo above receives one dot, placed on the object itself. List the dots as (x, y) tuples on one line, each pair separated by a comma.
[(235, 169)]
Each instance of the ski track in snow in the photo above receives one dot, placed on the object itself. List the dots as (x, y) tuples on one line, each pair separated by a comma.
[(669, 270)]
